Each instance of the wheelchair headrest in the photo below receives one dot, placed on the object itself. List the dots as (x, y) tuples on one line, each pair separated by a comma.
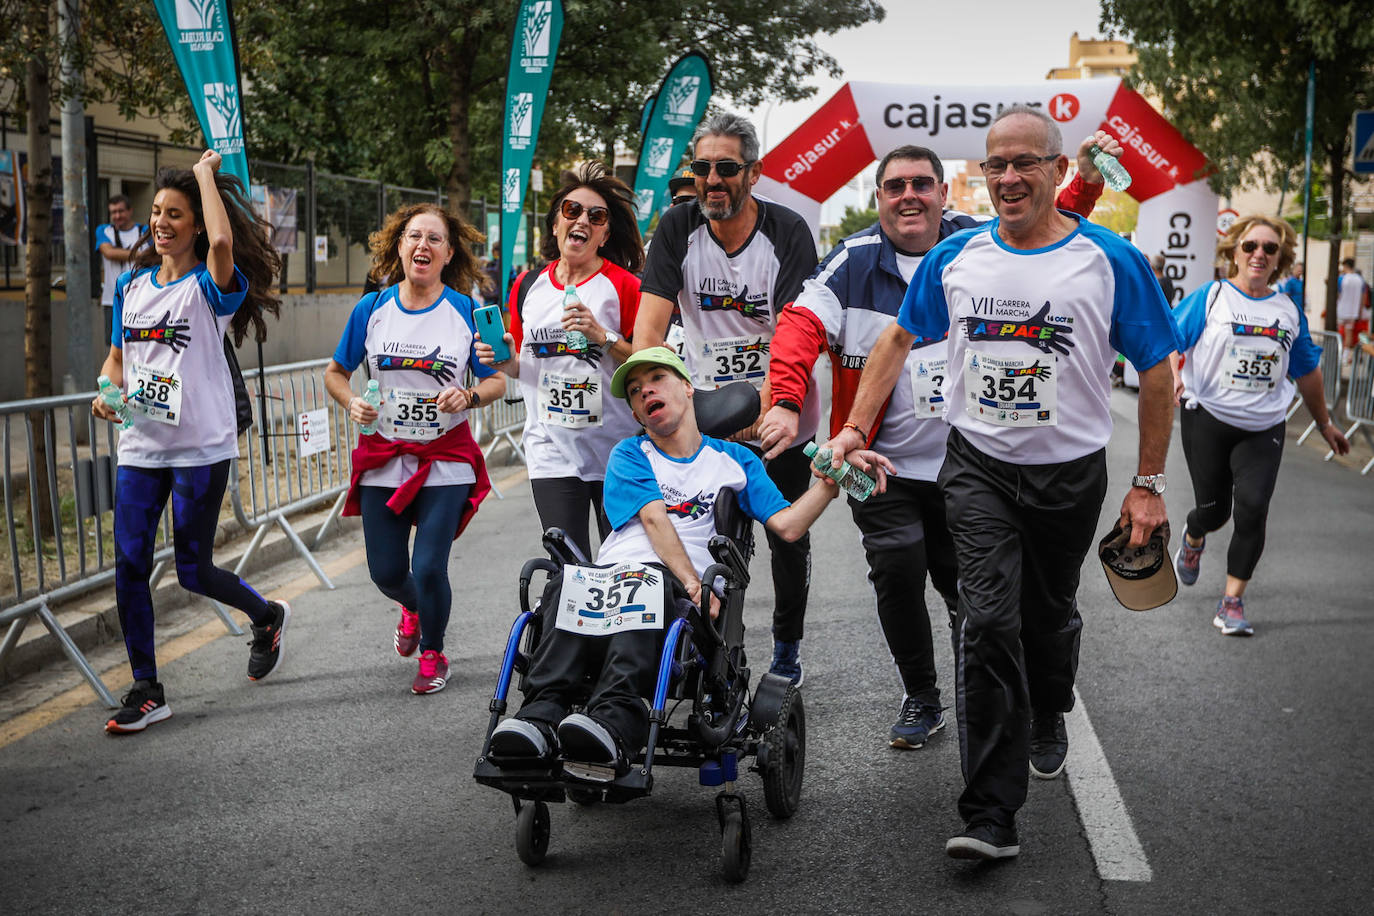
[(727, 410)]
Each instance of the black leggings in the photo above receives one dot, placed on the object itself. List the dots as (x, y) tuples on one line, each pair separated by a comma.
[(1230, 468), (563, 502)]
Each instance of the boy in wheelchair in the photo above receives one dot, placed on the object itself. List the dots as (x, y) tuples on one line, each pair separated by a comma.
[(661, 492)]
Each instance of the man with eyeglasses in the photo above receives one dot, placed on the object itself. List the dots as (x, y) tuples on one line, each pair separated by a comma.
[(730, 264), (1035, 305), (844, 307)]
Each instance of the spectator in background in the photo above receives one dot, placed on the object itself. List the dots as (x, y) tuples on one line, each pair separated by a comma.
[(116, 242), (1293, 287), (682, 187), (1165, 284), (1352, 304)]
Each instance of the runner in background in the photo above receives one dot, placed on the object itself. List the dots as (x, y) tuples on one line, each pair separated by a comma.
[(209, 270), (591, 239), (421, 468), (1246, 350)]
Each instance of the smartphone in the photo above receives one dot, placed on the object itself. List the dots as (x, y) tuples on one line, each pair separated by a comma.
[(491, 331)]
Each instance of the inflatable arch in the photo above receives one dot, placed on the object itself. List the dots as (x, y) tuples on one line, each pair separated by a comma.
[(861, 122)]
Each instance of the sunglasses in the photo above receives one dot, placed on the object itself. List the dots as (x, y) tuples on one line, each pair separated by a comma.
[(597, 216), (895, 187), (725, 168), (1249, 245)]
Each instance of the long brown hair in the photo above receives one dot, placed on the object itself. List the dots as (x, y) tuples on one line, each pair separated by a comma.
[(253, 254), (460, 273), (623, 245)]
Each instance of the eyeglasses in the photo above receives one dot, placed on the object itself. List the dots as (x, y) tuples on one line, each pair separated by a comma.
[(415, 237), (725, 168), (996, 167), (571, 210), (895, 187), (1249, 245)]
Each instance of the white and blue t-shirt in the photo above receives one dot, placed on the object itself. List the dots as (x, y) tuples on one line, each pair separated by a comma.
[(638, 473), (126, 238), (1242, 354), (413, 355), (172, 342), (1033, 334)]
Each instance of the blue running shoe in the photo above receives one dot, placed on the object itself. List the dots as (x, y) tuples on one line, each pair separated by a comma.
[(915, 724), (1187, 561), (787, 660), (1230, 619)]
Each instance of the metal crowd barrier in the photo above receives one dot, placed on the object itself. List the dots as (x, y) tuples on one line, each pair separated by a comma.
[(502, 422), (1330, 364), (1359, 401)]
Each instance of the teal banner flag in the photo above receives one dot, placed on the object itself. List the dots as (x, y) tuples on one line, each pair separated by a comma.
[(201, 33), (534, 47), (678, 108)]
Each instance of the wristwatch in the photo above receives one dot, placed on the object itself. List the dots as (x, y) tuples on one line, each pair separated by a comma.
[(1155, 483), (612, 338)]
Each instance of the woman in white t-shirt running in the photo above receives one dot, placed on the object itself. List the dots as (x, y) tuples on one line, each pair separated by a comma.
[(568, 327), (420, 466), (209, 270)]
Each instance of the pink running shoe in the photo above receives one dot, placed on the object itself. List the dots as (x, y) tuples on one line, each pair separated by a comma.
[(433, 673), (407, 633), (1230, 618)]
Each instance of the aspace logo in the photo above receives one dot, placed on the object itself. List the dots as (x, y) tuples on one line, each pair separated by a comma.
[(431, 364), (222, 112), (1271, 331), (1035, 370), (198, 24), (682, 100), (693, 507), (536, 36), (175, 336), (521, 120), (1037, 332), (755, 307)]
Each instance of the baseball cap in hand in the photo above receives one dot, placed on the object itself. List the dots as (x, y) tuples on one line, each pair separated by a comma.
[(1141, 577)]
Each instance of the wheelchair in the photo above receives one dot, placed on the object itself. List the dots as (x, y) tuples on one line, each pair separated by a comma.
[(703, 713)]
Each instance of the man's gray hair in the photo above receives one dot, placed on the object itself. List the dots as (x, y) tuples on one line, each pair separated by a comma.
[(1054, 138), (726, 124)]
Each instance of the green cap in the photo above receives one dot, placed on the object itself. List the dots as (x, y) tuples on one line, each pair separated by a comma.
[(653, 356)]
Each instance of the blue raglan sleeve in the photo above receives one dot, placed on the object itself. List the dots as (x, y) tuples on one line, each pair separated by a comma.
[(464, 306), (103, 233), (353, 344), (1191, 317), (630, 482), (925, 311), (760, 498), (224, 303), (1143, 328), (1306, 355), (117, 318)]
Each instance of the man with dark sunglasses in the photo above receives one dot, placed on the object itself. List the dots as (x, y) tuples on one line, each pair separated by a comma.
[(730, 264), (1034, 306), (850, 300)]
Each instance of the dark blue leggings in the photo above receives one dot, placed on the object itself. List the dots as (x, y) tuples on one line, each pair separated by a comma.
[(419, 580), (140, 496)]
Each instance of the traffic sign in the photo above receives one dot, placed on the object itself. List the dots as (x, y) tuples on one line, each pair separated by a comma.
[(1364, 143)]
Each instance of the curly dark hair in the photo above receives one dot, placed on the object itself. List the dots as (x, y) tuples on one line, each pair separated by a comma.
[(460, 273), (253, 254), (623, 247)]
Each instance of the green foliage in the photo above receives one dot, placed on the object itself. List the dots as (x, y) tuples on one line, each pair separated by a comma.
[(855, 219)]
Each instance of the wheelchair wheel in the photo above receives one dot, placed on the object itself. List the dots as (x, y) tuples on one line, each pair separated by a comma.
[(735, 852), (782, 757), (584, 796), (532, 832)]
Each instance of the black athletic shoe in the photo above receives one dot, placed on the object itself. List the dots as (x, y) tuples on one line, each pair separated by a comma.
[(1049, 745), (265, 655), (984, 841), (143, 705), (522, 742)]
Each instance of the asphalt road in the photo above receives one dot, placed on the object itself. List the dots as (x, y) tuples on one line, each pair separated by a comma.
[(1238, 767)]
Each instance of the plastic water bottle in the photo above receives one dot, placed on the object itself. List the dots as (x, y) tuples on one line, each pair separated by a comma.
[(373, 396), (115, 398), (573, 340), (852, 480), (1113, 172)]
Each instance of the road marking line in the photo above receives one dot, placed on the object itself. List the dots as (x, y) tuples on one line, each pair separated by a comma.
[(1111, 836), (118, 678)]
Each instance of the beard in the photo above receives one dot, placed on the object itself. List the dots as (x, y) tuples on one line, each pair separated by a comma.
[(734, 203)]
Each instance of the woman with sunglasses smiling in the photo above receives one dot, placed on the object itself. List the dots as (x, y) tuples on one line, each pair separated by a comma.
[(568, 324), (1245, 350)]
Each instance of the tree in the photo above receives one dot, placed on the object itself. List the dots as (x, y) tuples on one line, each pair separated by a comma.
[(855, 219), (411, 92), (1236, 85)]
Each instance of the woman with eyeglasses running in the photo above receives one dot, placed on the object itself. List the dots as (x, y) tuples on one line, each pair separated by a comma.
[(416, 464), (1245, 350), (568, 324)]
